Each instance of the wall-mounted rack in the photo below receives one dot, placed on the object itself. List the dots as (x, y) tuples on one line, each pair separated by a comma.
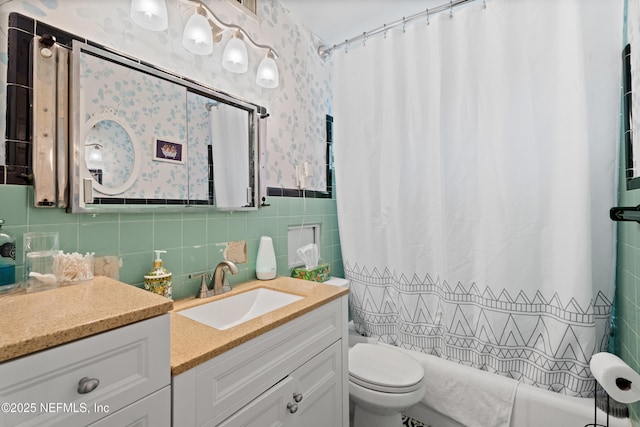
[(625, 213)]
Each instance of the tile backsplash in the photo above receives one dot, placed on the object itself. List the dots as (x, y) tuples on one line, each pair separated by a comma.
[(194, 242)]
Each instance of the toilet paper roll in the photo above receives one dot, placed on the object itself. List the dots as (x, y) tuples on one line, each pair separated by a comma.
[(617, 378)]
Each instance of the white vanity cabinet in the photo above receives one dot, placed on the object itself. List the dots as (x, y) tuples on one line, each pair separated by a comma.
[(294, 375), (115, 378)]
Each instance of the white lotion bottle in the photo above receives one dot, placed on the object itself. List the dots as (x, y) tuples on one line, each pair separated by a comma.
[(266, 261)]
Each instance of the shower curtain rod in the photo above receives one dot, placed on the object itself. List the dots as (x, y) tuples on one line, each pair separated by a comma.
[(325, 52)]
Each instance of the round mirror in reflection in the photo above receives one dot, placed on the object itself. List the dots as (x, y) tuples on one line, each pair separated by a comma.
[(111, 155)]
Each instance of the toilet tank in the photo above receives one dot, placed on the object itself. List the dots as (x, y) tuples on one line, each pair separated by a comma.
[(337, 281)]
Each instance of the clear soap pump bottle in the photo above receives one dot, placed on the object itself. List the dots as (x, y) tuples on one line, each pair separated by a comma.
[(158, 280)]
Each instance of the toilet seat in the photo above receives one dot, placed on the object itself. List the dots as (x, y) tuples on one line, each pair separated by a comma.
[(384, 369)]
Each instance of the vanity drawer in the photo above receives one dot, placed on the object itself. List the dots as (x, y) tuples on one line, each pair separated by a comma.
[(130, 363), (214, 390)]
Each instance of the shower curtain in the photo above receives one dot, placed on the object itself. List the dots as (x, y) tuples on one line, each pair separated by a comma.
[(475, 166), (229, 127)]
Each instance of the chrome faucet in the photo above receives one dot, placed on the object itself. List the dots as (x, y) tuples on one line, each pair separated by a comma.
[(220, 281)]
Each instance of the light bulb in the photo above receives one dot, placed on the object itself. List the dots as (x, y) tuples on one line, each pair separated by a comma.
[(93, 156), (268, 75), (150, 14), (197, 37), (235, 57)]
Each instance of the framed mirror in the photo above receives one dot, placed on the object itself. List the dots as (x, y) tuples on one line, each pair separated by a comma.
[(112, 154), (142, 138)]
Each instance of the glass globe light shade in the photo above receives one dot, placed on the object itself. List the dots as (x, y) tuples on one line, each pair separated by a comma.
[(150, 14), (235, 57), (197, 37), (268, 75), (93, 156)]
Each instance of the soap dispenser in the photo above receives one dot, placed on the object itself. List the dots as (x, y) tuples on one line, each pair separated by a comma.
[(158, 280)]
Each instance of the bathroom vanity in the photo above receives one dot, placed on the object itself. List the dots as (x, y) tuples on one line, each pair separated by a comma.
[(286, 368), (87, 354), (105, 353)]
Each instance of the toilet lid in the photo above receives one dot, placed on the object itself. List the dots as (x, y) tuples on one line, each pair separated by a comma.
[(384, 369)]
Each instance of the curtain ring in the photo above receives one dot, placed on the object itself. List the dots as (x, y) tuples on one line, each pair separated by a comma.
[(451, 9), (428, 21), (384, 36), (484, 4), (404, 25), (346, 46), (364, 39)]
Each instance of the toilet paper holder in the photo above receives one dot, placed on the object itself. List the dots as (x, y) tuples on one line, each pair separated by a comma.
[(595, 407), (612, 374), (611, 407)]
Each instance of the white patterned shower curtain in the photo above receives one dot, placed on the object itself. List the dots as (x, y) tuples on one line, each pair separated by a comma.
[(476, 165)]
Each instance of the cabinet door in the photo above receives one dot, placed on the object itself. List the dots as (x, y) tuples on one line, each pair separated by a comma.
[(215, 390), (152, 411), (318, 389), (267, 410), (78, 383)]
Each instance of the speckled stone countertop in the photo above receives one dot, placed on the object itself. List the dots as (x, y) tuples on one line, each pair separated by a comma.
[(37, 321), (193, 343)]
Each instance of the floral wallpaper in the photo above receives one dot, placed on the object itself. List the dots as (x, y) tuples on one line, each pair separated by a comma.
[(297, 108), (199, 140), (153, 109)]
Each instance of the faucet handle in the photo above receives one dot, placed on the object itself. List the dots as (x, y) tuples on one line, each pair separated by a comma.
[(204, 288)]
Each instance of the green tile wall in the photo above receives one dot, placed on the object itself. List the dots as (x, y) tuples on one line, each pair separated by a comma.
[(194, 241), (628, 292), (627, 334)]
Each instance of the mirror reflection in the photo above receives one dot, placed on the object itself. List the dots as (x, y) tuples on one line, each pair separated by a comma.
[(153, 139), (219, 133), (109, 153)]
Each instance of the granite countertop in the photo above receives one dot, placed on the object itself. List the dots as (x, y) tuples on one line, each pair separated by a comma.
[(37, 321), (193, 343)]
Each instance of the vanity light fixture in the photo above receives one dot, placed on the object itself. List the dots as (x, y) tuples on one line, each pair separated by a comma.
[(203, 29), (267, 75), (197, 36), (235, 57), (150, 14), (95, 156)]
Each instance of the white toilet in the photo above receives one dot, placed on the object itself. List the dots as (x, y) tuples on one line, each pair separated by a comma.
[(382, 381)]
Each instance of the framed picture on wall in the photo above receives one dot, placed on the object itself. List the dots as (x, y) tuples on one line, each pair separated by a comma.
[(169, 151)]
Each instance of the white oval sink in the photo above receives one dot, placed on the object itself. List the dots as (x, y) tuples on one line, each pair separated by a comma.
[(234, 310)]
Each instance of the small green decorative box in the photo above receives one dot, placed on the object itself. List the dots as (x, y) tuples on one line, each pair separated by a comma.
[(318, 274)]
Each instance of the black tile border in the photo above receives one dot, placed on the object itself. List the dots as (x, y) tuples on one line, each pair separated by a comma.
[(21, 22), (329, 154), (19, 46), (295, 192)]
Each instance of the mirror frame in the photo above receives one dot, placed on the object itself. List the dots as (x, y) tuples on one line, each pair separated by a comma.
[(78, 176), (137, 153)]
